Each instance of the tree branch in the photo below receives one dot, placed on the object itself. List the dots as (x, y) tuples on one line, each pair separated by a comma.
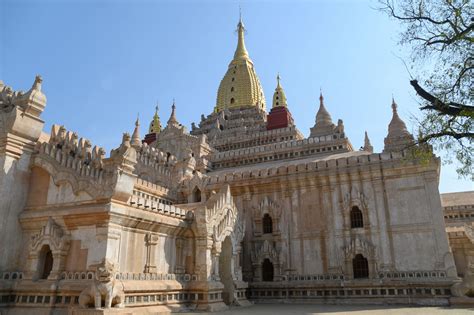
[(451, 108)]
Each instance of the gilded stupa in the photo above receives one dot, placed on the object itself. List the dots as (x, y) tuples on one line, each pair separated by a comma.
[(240, 86)]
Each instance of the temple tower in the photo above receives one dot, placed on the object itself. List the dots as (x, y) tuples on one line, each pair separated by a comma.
[(240, 86)]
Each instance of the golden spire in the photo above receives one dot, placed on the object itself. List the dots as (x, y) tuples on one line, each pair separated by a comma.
[(241, 52), (279, 97), (240, 86), (155, 125)]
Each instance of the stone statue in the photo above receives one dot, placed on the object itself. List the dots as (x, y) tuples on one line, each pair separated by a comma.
[(466, 287), (104, 288)]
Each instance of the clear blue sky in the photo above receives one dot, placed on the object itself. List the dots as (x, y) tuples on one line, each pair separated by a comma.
[(104, 61)]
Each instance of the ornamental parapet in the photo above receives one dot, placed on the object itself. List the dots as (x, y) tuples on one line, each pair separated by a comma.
[(261, 137), (291, 149), (156, 206), (341, 161)]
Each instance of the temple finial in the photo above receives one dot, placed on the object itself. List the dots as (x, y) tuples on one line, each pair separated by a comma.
[(172, 119), (241, 51), (136, 141), (240, 13), (155, 125), (398, 136), (279, 97), (321, 97), (367, 145)]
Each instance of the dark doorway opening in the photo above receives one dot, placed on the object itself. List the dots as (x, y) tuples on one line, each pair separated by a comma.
[(197, 195), (45, 262), (360, 266), (267, 270)]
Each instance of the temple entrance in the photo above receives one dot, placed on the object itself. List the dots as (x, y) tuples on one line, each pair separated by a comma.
[(267, 270), (45, 262), (225, 271), (360, 267), (196, 195)]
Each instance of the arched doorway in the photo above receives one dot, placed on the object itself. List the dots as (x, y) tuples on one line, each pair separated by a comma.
[(360, 267), (196, 195), (45, 263), (225, 271), (267, 270)]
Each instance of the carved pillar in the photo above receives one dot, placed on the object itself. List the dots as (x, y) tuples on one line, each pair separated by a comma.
[(179, 255), (216, 251), (257, 277), (151, 240), (236, 267), (204, 262), (277, 271), (59, 263)]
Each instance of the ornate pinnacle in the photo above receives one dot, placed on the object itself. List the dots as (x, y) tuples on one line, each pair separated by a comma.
[(173, 119)]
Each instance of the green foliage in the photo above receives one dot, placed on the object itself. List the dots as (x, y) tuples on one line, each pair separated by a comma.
[(440, 34)]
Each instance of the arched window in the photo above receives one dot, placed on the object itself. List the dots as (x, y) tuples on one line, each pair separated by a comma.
[(197, 195), (45, 262), (267, 224), (360, 267), (357, 221), (267, 270), (232, 100), (232, 89)]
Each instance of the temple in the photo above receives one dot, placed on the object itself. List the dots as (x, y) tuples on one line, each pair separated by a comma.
[(242, 208)]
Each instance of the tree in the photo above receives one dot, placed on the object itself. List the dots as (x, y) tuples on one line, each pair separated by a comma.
[(440, 34)]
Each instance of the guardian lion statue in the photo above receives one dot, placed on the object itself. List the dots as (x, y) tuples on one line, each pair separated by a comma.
[(105, 291), (466, 287)]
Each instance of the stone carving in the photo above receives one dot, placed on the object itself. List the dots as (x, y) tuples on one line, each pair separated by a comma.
[(238, 231), (51, 234), (467, 285), (125, 155), (105, 291), (265, 250), (359, 246), (354, 198), (267, 206)]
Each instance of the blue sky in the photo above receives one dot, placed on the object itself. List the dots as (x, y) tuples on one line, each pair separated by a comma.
[(103, 62)]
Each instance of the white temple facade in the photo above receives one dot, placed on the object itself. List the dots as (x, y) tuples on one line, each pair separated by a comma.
[(241, 208)]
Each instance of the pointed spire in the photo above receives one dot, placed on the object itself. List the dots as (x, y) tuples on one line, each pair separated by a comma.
[(241, 52), (396, 126), (136, 141), (398, 137), (323, 118), (172, 120), (155, 125), (367, 145), (279, 97)]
